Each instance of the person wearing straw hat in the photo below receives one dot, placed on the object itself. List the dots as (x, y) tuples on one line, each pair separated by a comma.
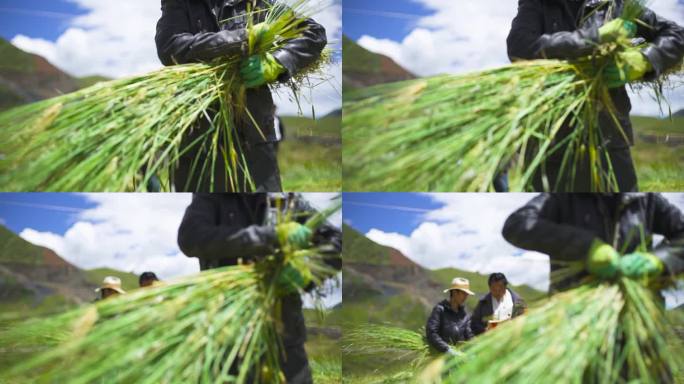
[(192, 31), (570, 29), (111, 286), (449, 323), (611, 233)]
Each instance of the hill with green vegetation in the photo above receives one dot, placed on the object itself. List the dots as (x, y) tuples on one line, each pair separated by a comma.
[(25, 78), (310, 156), (362, 68)]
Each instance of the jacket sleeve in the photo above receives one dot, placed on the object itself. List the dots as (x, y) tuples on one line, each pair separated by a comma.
[(177, 45), (527, 40), (669, 222), (300, 52), (666, 42), (432, 330), (200, 235), (536, 227), (468, 331), (476, 324)]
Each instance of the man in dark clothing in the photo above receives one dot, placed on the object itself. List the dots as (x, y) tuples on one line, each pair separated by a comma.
[(598, 228), (449, 322), (226, 229), (203, 30), (499, 305), (569, 29)]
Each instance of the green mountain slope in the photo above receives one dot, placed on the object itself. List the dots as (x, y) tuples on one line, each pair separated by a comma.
[(129, 281), (659, 153), (362, 68)]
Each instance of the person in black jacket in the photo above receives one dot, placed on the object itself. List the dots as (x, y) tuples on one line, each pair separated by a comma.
[(605, 230), (508, 305), (227, 229), (449, 322), (202, 30), (568, 29)]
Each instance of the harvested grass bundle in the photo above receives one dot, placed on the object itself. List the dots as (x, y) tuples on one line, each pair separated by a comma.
[(102, 138), (456, 133), (217, 326), (596, 333), (395, 344)]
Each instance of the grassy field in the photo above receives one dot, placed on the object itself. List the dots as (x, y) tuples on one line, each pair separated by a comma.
[(310, 157), (659, 164)]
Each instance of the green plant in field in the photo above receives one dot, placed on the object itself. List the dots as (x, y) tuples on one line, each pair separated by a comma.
[(456, 133), (102, 137), (220, 325)]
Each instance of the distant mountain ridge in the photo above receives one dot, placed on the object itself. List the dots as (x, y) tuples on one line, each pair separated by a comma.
[(362, 68), (26, 77)]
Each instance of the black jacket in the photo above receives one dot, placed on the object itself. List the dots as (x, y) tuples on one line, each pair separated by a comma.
[(483, 309), (189, 31), (563, 226), (548, 29), (447, 327)]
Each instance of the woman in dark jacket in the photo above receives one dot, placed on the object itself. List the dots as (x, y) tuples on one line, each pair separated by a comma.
[(449, 323)]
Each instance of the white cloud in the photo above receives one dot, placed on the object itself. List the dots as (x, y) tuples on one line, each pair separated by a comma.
[(116, 39), (129, 232), (464, 36)]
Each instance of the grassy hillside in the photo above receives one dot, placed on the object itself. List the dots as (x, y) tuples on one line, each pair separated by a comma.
[(13, 58), (310, 157), (359, 248), (14, 249), (361, 67), (659, 153)]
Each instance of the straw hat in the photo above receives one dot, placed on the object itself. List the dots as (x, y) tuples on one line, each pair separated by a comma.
[(460, 284), (111, 282)]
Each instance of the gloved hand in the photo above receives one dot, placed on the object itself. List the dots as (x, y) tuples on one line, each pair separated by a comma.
[(454, 352), (260, 69), (629, 65), (641, 264), (257, 31), (295, 234), (616, 29), (602, 260), (291, 280)]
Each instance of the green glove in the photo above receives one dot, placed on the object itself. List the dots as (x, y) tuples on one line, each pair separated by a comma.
[(257, 31), (616, 29), (641, 265), (290, 280), (258, 70), (295, 234), (629, 65), (602, 260)]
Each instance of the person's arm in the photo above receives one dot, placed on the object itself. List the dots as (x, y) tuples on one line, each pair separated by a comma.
[(468, 331), (302, 51), (535, 227), (668, 221), (666, 42), (476, 324), (432, 330), (177, 45), (527, 40), (200, 236)]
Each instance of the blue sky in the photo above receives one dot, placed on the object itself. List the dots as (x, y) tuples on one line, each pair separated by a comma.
[(46, 212), (382, 19), (392, 212), (48, 19)]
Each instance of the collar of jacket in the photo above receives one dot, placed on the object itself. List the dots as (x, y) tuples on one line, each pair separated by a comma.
[(488, 296), (447, 306)]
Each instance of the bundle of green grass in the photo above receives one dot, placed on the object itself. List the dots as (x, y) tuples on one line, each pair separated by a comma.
[(456, 133), (219, 326), (102, 137)]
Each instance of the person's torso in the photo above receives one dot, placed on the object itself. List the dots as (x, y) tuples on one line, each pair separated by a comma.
[(453, 324), (502, 309), (624, 223), (568, 15), (209, 16)]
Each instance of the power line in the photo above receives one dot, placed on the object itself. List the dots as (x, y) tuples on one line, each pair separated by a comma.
[(61, 208), (386, 206), (392, 15), (49, 14)]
